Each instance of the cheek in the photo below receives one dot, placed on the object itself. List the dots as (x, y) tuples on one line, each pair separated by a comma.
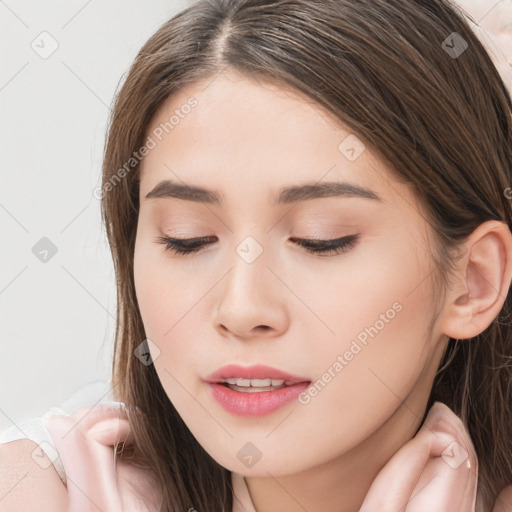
[(145, 278), (153, 295), (378, 287), (170, 305), (380, 314), (373, 322), (160, 291)]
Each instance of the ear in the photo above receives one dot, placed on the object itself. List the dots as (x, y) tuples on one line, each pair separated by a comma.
[(485, 272)]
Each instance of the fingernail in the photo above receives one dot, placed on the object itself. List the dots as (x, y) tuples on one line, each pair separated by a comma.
[(455, 454)]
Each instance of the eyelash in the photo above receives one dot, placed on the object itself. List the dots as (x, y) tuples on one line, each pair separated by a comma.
[(183, 246)]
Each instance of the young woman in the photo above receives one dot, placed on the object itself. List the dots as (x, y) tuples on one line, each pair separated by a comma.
[(309, 210)]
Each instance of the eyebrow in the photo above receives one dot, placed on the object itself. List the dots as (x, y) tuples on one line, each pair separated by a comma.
[(286, 195)]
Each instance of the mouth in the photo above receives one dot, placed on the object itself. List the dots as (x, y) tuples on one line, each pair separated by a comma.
[(256, 385), (254, 390), (247, 378)]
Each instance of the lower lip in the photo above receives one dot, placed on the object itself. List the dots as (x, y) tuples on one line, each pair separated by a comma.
[(258, 403)]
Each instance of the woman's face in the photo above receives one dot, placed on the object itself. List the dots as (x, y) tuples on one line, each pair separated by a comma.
[(353, 324)]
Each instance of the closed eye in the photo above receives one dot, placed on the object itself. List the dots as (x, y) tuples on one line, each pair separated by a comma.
[(183, 246)]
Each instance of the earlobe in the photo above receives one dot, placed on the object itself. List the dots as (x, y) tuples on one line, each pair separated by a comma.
[(485, 271)]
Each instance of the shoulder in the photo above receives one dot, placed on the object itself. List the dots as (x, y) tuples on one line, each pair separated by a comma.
[(28, 479)]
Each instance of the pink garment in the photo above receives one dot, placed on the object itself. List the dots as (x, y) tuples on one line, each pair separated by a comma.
[(81, 447)]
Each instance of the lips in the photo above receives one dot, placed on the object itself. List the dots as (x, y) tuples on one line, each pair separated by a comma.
[(247, 400), (259, 372)]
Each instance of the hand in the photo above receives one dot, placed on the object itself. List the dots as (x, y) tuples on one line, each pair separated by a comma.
[(436, 470), (85, 442)]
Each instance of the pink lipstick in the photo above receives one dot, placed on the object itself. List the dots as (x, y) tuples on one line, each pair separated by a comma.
[(254, 390)]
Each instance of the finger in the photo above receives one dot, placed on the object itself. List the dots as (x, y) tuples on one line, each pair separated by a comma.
[(112, 431), (447, 483), (88, 464), (88, 416), (107, 422), (396, 482), (455, 471)]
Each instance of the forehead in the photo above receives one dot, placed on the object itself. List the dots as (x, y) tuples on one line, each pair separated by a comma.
[(235, 133)]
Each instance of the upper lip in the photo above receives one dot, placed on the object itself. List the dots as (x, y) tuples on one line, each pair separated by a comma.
[(258, 371)]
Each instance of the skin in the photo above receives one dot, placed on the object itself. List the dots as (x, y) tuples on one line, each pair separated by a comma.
[(247, 139)]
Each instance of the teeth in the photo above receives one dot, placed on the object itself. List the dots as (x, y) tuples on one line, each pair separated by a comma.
[(256, 383)]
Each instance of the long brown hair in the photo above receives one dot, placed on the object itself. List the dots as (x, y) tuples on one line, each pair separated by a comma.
[(384, 69)]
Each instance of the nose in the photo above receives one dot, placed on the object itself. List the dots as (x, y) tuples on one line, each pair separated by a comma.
[(252, 301)]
